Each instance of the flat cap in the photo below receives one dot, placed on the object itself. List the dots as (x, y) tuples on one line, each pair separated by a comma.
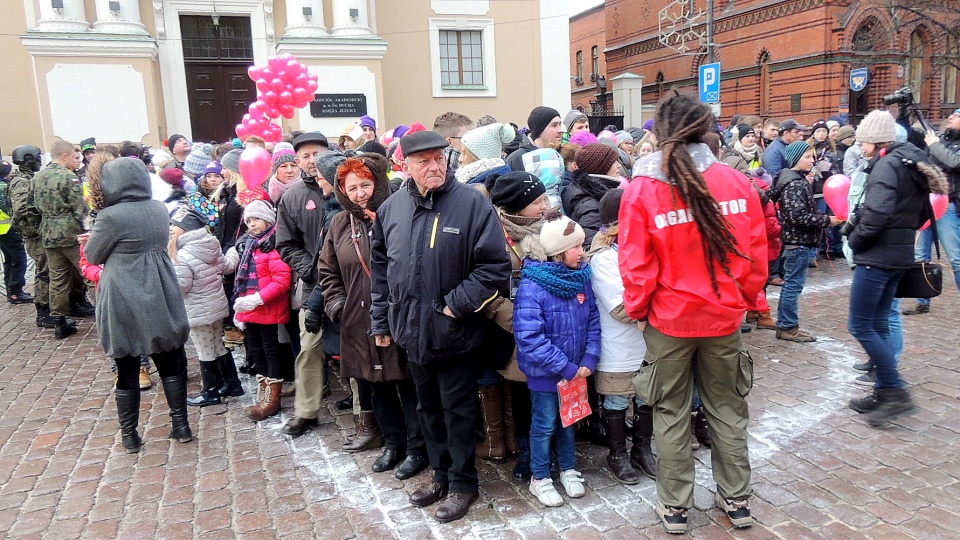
[(421, 141), (310, 137)]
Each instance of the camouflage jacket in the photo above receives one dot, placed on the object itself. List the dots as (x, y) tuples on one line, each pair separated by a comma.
[(25, 216), (58, 195)]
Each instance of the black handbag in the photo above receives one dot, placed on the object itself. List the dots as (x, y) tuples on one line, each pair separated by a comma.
[(925, 278)]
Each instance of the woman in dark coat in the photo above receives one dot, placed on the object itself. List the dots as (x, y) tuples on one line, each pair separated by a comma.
[(344, 276), (597, 173), (140, 308)]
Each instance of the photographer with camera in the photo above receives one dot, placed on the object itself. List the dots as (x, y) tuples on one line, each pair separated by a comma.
[(945, 152)]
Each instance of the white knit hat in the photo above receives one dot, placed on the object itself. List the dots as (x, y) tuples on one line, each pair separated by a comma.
[(560, 235), (487, 142), (260, 209), (877, 127)]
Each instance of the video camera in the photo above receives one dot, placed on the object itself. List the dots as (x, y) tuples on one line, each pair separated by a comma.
[(903, 96)]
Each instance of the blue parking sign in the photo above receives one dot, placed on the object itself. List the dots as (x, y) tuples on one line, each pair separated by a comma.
[(710, 83)]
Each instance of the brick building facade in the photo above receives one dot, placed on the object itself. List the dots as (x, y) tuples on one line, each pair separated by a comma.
[(792, 58), (588, 63)]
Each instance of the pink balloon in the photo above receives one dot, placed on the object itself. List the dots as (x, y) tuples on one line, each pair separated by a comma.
[(286, 98), (939, 203), (255, 72), (286, 57), (312, 86), (256, 108), (300, 94), (270, 98), (271, 112), (276, 62), (313, 77), (287, 111), (835, 192), (255, 165), (263, 85), (242, 130)]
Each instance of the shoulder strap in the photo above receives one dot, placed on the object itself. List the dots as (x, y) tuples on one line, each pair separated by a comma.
[(933, 228), (356, 245)]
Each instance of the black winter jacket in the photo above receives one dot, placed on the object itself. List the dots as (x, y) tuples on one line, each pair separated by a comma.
[(581, 201), (800, 221), (893, 208), (300, 220), (447, 249)]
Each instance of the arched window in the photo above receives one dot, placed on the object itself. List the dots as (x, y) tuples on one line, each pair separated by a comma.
[(916, 51), (951, 62), (579, 67), (868, 36), (764, 86), (595, 51)]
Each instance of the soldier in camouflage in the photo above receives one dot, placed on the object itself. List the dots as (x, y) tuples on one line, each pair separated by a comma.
[(58, 196), (11, 245), (26, 219)]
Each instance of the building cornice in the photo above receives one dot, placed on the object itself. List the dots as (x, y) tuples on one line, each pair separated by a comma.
[(334, 48), (95, 45)]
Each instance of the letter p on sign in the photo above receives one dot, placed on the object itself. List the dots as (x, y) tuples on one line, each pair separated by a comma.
[(710, 83)]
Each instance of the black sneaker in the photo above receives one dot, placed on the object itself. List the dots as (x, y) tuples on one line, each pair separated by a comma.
[(674, 520), (867, 379), (863, 366), (737, 511), (918, 309), (891, 404)]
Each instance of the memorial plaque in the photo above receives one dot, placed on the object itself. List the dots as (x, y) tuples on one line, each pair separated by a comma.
[(338, 105)]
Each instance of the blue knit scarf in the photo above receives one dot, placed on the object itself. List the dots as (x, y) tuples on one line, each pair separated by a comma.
[(557, 279)]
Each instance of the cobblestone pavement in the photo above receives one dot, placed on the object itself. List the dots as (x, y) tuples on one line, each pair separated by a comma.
[(819, 471)]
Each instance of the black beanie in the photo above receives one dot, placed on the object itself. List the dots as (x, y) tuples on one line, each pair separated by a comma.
[(373, 147), (610, 206), (172, 141), (514, 191), (539, 119), (743, 130)]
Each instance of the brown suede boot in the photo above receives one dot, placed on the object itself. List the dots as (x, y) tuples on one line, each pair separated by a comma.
[(765, 321), (752, 316), (269, 404), (491, 406), (368, 434)]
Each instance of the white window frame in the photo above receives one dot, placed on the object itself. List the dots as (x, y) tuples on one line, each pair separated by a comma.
[(486, 28)]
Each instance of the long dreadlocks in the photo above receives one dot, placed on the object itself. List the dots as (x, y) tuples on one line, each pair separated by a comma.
[(681, 120)]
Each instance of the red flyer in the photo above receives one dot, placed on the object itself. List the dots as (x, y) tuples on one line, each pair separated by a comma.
[(574, 404)]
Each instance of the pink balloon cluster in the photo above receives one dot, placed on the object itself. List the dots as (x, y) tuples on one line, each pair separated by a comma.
[(283, 86)]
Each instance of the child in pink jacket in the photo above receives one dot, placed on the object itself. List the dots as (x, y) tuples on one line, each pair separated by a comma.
[(262, 292)]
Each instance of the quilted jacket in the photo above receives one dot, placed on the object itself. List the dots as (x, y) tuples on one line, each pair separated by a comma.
[(800, 221), (555, 336), (200, 264)]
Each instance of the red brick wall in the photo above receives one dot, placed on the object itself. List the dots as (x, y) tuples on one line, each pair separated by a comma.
[(587, 30), (808, 43)]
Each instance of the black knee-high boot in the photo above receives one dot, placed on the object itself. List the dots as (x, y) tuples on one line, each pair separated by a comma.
[(231, 380), (175, 390), (128, 411)]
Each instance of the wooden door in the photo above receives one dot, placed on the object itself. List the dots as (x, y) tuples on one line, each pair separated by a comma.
[(216, 58)]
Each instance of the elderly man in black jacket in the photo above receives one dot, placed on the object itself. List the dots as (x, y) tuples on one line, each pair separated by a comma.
[(437, 258)]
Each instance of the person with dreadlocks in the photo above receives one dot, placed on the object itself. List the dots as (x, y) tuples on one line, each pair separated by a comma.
[(693, 260)]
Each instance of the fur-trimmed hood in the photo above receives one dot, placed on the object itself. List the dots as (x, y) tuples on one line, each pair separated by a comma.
[(381, 185)]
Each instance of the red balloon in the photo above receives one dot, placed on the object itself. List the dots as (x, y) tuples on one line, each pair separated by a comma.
[(835, 192), (271, 112), (241, 130), (286, 98), (270, 98), (287, 111), (256, 108), (255, 165)]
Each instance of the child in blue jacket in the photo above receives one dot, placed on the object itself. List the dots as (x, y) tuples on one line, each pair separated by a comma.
[(557, 327)]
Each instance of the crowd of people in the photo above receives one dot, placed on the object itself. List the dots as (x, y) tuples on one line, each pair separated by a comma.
[(455, 276)]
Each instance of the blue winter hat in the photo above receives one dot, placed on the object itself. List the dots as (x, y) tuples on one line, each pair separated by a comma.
[(794, 152)]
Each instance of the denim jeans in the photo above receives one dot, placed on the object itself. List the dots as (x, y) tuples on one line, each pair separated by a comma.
[(830, 239), (544, 427), (615, 403), (795, 264), (871, 298), (895, 322)]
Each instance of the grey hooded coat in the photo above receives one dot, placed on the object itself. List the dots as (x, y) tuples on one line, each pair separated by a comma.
[(140, 308)]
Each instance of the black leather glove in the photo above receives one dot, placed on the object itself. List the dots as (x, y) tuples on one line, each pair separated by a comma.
[(311, 322), (268, 244)]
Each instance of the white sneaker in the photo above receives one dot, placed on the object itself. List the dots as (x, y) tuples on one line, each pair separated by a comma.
[(544, 491), (572, 482)]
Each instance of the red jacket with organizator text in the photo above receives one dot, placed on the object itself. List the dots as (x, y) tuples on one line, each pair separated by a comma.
[(662, 257)]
